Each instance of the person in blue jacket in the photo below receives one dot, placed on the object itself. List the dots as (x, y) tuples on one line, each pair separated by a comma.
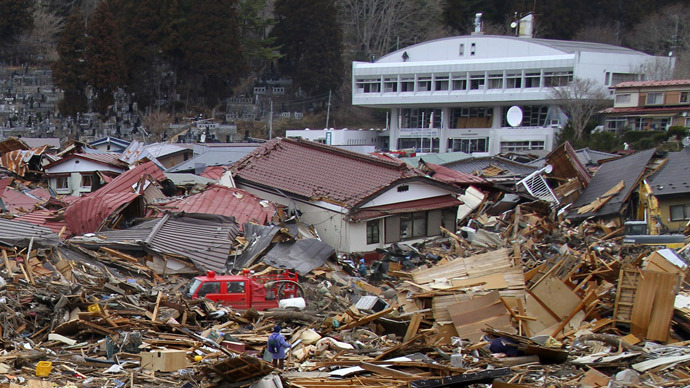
[(362, 269), (277, 346)]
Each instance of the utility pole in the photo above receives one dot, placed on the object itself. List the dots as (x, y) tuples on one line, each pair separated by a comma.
[(270, 121), (328, 111)]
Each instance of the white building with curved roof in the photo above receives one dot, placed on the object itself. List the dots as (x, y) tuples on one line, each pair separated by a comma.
[(452, 94)]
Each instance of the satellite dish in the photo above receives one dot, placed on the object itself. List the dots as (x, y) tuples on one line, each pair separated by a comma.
[(513, 24), (514, 116), (686, 141)]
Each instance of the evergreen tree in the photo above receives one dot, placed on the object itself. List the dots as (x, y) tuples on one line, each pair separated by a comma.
[(310, 38), (140, 25), (213, 53), (16, 16), (69, 70), (105, 69)]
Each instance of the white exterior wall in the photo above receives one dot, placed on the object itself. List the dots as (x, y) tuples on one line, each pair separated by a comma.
[(80, 165), (415, 191), (484, 56), (339, 136), (329, 221), (73, 185)]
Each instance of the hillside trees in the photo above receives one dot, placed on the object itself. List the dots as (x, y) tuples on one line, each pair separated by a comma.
[(213, 53), (310, 40), (105, 70), (376, 27), (16, 17), (69, 71)]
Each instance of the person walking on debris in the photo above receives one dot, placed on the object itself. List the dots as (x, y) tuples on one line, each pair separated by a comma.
[(362, 268), (277, 346)]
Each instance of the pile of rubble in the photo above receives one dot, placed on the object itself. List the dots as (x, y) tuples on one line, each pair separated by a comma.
[(525, 301)]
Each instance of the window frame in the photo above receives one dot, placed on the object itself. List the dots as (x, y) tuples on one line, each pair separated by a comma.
[(373, 232), (685, 208), (658, 98)]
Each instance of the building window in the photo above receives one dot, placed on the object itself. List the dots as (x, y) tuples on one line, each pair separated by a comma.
[(407, 85), (424, 84), (390, 85), (373, 232), (680, 212), (86, 181), (462, 49), (460, 82), (622, 98), (532, 116), (62, 182), (495, 81), (403, 188), (617, 78), (441, 83), (526, 145), (479, 117), (368, 86), (552, 79), (477, 81), (473, 49), (655, 98), (532, 80), (513, 81), (469, 145), (683, 99), (420, 118)]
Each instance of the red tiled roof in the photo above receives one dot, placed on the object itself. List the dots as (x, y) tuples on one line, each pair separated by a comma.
[(640, 84), (644, 110), (48, 219), (225, 201), (87, 214), (15, 200), (214, 172), (318, 171), (433, 203), (445, 174)]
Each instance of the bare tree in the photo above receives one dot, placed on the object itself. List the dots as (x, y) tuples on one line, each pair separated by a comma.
[(601, 30), (580, 100), (40, 42), (376, 27), (157, 123)]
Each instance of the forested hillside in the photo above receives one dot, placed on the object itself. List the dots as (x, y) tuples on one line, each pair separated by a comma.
[(164, 52)]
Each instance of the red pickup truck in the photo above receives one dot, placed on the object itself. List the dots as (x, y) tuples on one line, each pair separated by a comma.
[(244, 291)]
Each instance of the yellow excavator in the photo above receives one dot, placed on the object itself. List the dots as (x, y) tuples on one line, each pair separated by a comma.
[(651, 230)]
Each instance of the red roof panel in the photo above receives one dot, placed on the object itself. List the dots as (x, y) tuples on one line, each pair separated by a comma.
[(127, 179), (318, 171), (214, 172), (225, 201), (15, 201), (48, 219), (87, 214), (445, 174)]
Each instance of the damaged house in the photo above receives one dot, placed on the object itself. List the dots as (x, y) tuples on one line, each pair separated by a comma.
[(356, 202), (78, 174)]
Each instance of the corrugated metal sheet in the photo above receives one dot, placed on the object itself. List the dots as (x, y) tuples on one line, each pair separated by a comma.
[(88, 213), (204, 239), (17, 161), (12, 144), (18, 233), (15, 201), (221, 200), (48, 219), (127, 179), (628, 169)]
